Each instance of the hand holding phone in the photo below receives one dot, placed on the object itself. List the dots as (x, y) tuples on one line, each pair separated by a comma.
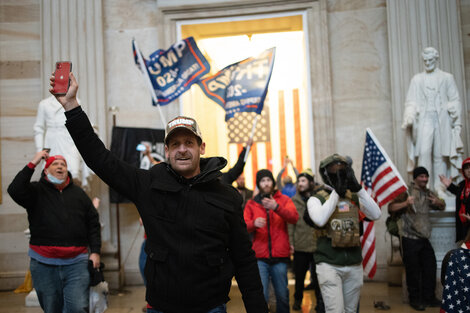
[(61, 77)]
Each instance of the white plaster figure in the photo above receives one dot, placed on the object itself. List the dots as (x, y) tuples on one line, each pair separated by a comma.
[(50, 132), (432, 120)]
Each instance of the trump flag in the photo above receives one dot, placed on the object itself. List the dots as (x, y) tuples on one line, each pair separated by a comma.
[(383, 182), (170, 73), (242, 86)]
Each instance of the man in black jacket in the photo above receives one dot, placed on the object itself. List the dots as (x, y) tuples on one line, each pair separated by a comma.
[(65, 228), (196, 235)]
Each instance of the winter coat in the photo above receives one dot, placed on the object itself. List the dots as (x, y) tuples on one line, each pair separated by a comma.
[(62, 218), (196, 236), (301, 235), (272, 240)]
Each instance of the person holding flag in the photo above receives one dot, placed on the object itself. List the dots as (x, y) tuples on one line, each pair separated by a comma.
[(336, 221), (415, 230), (383, 182)]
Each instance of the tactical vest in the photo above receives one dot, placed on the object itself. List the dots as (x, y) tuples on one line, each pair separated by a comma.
[(343, 225)]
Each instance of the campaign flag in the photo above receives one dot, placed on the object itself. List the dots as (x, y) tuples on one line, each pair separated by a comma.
[(242, 86), (383, 182), (124, 144), (173, 71)]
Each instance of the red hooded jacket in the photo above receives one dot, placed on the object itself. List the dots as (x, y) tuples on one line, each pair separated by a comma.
[(272, 242)]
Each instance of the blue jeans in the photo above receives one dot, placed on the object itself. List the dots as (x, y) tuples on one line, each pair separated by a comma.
[(277, 272), (62, 288), (220, 309)]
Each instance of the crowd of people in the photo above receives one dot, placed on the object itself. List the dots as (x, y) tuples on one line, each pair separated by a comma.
[(201, 232)]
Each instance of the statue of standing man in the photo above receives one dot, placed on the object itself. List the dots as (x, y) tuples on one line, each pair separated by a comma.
[(50, 132), (432, 120)]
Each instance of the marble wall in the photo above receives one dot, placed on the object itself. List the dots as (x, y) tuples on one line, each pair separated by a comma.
[(359, 80), (361, 88), (20, 92)]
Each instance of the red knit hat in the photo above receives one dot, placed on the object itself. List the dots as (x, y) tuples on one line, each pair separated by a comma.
[(465, 162), (53, 158)]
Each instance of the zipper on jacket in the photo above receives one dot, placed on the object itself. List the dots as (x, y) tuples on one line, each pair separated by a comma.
[(269, 234)]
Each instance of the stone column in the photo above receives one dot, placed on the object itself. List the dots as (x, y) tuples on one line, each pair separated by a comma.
[(412, 26), (72, 30)]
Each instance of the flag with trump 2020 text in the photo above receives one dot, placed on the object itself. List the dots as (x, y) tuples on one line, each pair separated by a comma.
[(242, 86), (173, 71), (383, 182)]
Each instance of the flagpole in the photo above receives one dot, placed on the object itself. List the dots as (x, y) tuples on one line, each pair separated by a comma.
[(114, 111), (148, 82), (251, 137)]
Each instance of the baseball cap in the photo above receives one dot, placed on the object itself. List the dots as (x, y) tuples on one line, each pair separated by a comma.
[(182, 122)]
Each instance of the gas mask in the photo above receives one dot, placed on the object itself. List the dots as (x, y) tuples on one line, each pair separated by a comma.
[(339, 181)]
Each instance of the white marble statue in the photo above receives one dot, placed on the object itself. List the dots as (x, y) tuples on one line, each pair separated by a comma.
[(432, 119), (50, 132)]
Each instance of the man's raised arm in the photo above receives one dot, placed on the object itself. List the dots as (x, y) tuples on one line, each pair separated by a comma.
[(119, 175)]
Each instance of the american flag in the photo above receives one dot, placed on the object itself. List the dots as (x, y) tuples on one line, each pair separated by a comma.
[(383, 182), (456, 285)]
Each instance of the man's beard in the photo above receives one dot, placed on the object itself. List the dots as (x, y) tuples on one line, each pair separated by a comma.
[(267, 190)]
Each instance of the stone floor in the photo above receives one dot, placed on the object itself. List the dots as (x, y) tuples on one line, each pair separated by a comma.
[(131, 300)]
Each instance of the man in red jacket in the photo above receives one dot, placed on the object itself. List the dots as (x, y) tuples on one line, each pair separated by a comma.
[(267, 216)]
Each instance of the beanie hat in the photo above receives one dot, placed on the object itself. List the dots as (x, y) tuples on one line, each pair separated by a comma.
[(307, 174), (264, 173), (465, 162), (53, 158), (418, 171)]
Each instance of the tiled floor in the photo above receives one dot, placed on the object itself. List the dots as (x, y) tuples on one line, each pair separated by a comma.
[(131, 300)]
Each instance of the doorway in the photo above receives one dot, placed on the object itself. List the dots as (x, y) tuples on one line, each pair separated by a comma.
[(224, 41)]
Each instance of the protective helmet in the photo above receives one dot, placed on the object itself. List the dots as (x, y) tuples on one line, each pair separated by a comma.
[(334, 158)]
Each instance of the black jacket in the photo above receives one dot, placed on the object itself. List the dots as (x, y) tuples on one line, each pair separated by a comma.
[(196, 235), (232, 174), (57, 218), (460, 228)]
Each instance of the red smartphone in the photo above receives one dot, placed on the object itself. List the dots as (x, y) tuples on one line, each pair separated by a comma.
[(62, 79)]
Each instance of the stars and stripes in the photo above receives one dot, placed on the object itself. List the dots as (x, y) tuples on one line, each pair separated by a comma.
[(383, 182), (379, 176), (456, 286)]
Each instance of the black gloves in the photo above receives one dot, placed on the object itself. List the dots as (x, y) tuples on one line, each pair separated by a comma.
[(353, 184)]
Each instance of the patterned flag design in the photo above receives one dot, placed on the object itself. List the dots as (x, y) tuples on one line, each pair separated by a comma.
[(383, 182), (456, 287)]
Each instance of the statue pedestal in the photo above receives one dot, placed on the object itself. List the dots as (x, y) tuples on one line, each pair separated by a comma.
[(442, 240)]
